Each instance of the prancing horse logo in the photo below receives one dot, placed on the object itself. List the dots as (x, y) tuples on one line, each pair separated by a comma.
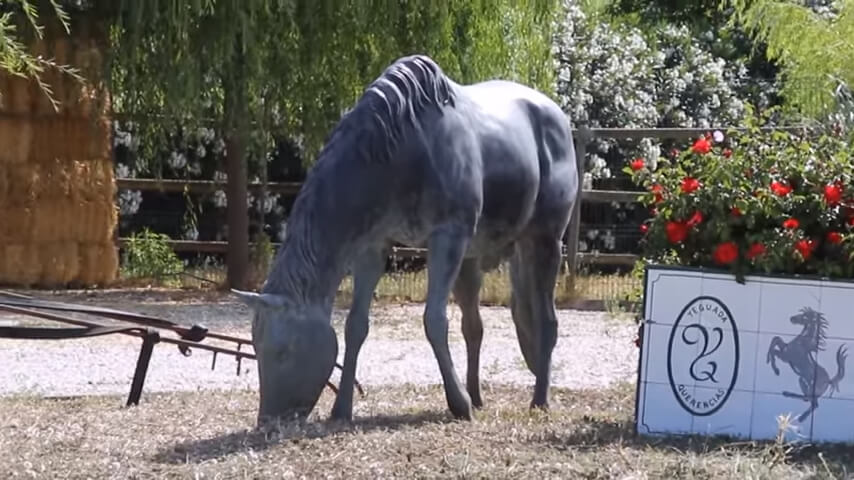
[(801, 353), (703, 356)]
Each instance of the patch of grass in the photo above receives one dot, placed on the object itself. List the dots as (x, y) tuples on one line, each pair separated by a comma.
[(412, 287), (396, 287), (400, 432)]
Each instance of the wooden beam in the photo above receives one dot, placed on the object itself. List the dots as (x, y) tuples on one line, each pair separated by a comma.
[(608, 196), (199, 186)]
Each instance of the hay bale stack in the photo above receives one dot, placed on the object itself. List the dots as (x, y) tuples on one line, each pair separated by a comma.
[(57, 186)]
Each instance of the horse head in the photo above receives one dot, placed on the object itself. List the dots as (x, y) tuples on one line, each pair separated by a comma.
[(807, 316), (298, 349)]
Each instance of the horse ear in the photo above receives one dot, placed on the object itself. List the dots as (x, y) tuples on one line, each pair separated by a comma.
[(260, 300)]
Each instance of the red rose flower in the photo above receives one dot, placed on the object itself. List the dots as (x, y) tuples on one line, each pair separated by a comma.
[(696, 219), (690, 184), (834, 238), (725, 253), (637, 164), (780, 189), (727, 152), (676, 231), (701, 146), (644, 228), (833, 193), (755, 250), (658, 191), (791, 223), (674, 152), (805, 247), (736, 212)]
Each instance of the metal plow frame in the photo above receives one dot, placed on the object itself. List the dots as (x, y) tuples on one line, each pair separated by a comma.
[(146, 327)]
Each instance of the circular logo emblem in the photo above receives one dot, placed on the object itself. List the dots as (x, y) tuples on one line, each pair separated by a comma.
[(703, 355)]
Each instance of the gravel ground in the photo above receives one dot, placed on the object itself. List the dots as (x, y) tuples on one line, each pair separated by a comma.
[(594, 349)]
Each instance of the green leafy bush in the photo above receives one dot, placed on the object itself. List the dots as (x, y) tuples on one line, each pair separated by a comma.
[(148, 255), (752, 202)]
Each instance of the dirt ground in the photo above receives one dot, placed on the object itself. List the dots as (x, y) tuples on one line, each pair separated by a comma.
[(594, 349), (63, 413)]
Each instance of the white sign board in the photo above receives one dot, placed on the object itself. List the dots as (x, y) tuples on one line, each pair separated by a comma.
[(722, 358)]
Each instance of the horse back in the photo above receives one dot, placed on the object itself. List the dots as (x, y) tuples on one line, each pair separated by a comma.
[(528, 155)]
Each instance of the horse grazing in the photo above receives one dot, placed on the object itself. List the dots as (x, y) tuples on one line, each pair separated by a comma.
[(800, 354), (474, 173)]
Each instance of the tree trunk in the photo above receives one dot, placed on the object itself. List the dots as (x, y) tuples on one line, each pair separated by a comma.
[(237, 213)]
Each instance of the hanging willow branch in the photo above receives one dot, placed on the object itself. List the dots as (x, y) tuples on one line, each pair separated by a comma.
[(306, 61), (817, 53), (20, 25)]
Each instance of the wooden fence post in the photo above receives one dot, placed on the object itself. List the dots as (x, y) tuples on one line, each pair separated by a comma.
[(582, 137)]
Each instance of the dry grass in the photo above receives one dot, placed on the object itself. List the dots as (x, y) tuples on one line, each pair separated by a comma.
[(399, 432)]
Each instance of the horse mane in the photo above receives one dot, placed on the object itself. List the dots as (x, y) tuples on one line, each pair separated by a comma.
[(407, 89), (368, 133), (821, 324)]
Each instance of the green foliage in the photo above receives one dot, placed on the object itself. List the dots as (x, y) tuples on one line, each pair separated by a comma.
[(19, 22), (757, 202), (148, 255), (816, 51), (262, 255), (302, 63)]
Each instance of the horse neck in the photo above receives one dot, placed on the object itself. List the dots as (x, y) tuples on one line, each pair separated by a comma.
[(810, 331), (313, 261)]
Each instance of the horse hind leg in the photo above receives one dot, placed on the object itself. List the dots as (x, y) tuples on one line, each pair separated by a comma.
[(520, 310), (467, 295), (538, 258)]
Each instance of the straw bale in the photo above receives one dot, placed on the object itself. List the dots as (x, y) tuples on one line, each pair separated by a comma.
[(87, 58), (97, 138), (4, 92), (21, 264), (98, 264), (16, 224), (23, 182), (56, 180), (51, 222), (69, 138), (18, 95), (4, 186), (15, 137), (60, 263), (92, 223), (99, 180), (49, 140)]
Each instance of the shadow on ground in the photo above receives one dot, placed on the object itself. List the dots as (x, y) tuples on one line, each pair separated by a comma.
[(260, 439), (596, 433)]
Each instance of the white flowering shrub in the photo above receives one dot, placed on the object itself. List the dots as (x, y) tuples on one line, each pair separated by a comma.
[(616, 75), (197, 154)]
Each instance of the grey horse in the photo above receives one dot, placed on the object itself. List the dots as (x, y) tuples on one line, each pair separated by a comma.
[(475, 174)]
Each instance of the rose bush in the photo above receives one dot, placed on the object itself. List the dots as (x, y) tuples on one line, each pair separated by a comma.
[(752, 202)]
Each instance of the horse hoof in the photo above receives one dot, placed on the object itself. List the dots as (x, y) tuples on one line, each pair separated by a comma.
[(461, 410), (341, 416)]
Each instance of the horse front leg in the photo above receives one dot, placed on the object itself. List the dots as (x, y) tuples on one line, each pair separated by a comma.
[(366, 274), (813, 405), (446, 249), (467, 295), (774, 350)]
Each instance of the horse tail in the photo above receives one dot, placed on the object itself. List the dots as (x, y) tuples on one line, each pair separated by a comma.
[(841, 355)]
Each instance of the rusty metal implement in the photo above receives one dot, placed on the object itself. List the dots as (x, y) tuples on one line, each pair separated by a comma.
[(147, 329)]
